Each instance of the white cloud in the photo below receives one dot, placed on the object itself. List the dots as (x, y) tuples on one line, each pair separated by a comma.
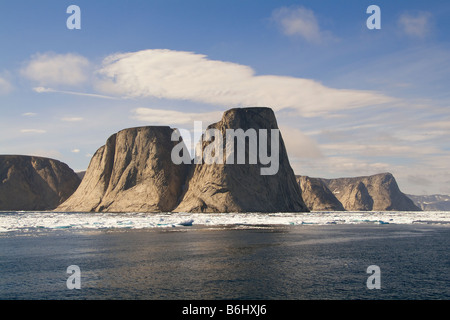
[(33, 131), (5, 86), (299, 21), (76, 151), (189, 76), (29, 114), (418, 25), (42, 89), (57, 69), (50, 90)]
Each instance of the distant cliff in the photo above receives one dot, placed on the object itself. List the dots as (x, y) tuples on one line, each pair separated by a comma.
[(34, 183), (435, 202), (132, 172), (317, 196), (378, 192)]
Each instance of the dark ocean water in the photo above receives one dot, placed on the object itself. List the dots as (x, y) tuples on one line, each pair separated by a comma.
[(281, 263)]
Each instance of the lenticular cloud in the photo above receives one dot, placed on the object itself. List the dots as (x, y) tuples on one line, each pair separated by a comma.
[(183, 75)]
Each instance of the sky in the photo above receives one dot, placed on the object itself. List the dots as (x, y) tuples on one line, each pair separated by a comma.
[(349, 100)]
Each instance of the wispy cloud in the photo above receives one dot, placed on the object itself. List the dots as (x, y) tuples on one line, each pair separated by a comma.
[(29, 114), (301, 22), (379, 150), (38, 131), (182, 75), (93, 95), (57, 69), (439, 124), (397, 141), (418, 25)]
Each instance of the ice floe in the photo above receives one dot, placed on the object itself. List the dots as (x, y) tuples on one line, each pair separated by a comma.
[(16, 221)]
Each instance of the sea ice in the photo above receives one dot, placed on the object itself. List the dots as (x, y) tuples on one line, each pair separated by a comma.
[(16, 221)]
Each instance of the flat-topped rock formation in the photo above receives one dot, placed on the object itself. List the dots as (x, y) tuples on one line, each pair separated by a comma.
[(225, 187), (29, 183), (378, 192), (242, 166), (317, 196), (132, 172)]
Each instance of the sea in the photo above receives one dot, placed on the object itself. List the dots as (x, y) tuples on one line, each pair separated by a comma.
[(252, 256)]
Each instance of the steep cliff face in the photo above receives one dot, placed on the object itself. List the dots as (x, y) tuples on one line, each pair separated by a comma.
[(225, 187), (34, 183), (132, 172), (317, 196), (379, 192)]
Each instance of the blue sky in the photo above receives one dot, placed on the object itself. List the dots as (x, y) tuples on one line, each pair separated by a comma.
[(350, 101)]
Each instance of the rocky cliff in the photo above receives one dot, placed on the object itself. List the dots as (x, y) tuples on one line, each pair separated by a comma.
[(435, 202), (132, 172), (225, 187), (379, 192), (317, 196), (34, 183)]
